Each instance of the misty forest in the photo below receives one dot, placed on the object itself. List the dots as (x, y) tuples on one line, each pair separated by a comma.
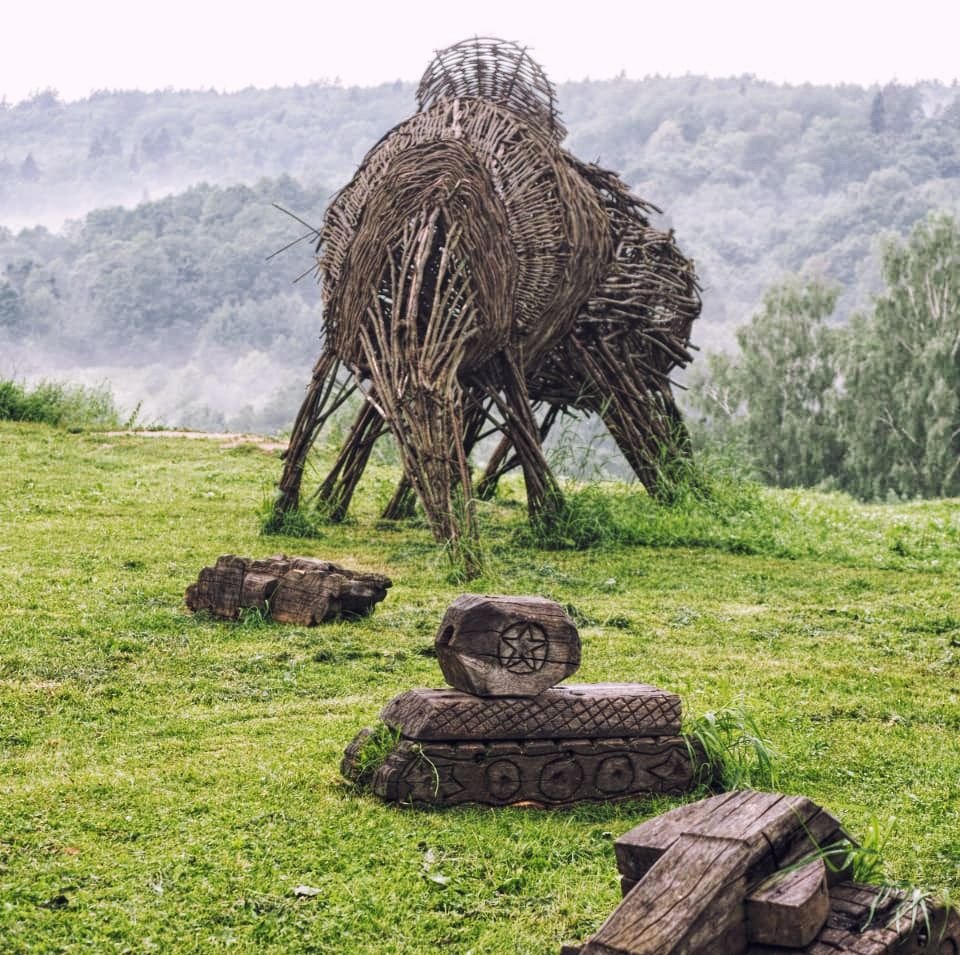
[(140, 248)]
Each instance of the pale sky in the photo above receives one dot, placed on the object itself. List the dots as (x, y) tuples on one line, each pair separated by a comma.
[(80, 46)]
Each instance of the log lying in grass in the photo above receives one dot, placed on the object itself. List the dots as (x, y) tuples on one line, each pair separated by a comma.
[(298, 590), (746, 873), (540, 773)]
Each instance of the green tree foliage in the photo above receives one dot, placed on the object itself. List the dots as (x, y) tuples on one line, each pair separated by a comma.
[(774, 400), (871, 407), (166, 277), (900, 410)]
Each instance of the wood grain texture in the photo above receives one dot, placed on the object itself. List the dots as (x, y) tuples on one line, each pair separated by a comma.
[(789, 907), (506, 646), (726, 876), (574, 710), (298, 590), (540, 773)]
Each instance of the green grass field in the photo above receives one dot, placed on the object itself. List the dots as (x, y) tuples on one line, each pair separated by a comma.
[(169, 782)]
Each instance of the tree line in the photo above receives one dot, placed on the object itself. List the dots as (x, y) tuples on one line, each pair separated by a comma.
[(758, 179), (872, 406)]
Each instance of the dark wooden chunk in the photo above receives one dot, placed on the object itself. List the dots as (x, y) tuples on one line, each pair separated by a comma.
[(506, 646), (541, 772), (724, 876), (690, 901), (300, 590), (257, 590), (219, 588), (780, 830), (583, 710), (790, 907)]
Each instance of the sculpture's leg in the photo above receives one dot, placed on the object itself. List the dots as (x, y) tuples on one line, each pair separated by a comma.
[(323, 397), (544, 497), (335, 493), (403, 503), (641, 415), (501, 461), (429, 432)]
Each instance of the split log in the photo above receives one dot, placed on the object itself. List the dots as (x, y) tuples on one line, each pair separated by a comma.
[(506, 646), (298, 590), (790, 907)]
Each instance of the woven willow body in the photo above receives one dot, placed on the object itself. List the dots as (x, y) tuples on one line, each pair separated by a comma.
[(473, 272)]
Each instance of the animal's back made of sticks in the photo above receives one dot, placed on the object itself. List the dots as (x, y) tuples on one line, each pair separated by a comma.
[(478, 278)]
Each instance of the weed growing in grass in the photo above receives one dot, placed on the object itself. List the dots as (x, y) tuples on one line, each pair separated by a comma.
[(293, 523), (863, 861), (729, 751)]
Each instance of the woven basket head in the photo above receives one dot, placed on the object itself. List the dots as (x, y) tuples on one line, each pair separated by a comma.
[(499, 71)]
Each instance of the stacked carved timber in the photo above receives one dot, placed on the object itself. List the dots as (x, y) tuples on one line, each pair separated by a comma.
[(744, 873), (299, 590), (507, 734)]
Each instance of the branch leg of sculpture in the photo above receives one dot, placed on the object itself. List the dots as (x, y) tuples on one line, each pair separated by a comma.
[(544, 497), (641, 416), (335, 493), (404, 500), (430, 436), (501, 461), (403, 503), (316, 408)]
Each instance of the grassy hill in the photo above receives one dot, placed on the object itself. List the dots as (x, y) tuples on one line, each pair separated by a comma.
[(168, 781)]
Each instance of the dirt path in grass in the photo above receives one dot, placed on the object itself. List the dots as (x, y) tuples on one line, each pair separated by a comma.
[(226, 439)]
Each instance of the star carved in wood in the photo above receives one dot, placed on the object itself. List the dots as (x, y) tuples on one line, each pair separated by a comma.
[(523, 648)]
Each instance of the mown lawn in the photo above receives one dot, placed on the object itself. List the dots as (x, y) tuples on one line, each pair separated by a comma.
[(168, 781)]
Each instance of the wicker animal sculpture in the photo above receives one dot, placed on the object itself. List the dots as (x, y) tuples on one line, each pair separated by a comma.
[(479, 279)]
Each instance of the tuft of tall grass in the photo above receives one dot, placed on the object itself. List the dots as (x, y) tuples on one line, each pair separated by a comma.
[(74, 407), (729, 751)]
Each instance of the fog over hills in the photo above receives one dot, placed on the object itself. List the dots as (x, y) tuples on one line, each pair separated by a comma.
[(135, 228)]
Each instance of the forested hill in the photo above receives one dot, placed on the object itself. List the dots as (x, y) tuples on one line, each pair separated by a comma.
[(757, 179)]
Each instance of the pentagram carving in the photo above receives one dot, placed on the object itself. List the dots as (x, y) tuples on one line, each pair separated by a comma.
[(523, 648)]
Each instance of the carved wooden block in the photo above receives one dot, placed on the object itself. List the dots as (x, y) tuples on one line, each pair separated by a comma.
[(506, 646), (582, 710), (541, 773), (790, 907), (740, 874), (299, 590)]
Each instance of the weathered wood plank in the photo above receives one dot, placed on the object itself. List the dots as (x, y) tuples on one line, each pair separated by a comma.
[(592, 711), (692, 897), (691, 888)]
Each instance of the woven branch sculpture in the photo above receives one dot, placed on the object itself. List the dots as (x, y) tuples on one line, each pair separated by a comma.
[(479, 279)]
